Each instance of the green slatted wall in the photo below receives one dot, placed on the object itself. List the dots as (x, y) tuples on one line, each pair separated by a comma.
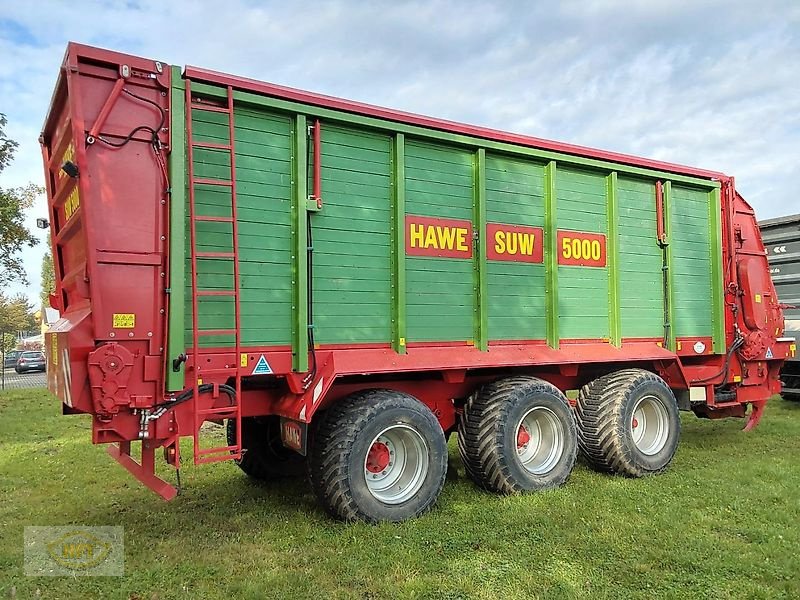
[(439, 291), (640, 260), (352, 300), (691, 262), (353, 239), (582, 291), (263, 187), (515, 196)]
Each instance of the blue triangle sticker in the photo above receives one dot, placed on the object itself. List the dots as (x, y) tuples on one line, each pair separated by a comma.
[(262, 367)]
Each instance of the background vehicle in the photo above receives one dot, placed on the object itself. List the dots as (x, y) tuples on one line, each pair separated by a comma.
[(30, 361), (10, 359), (351, 284), (782, 241)]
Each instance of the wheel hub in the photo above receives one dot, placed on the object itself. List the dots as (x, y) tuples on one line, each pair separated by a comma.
[(650, 426), (378, 457), (523, 437), (540, 440), (396, 464)]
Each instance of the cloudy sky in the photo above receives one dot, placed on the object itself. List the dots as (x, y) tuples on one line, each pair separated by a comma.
[(708, 83)]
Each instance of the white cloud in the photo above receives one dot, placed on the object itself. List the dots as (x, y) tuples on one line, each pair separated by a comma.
[(711, 83)]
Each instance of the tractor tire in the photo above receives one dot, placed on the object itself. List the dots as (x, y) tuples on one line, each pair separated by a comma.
[(378, 455), (264, 456), (628, 423), (518, 435)]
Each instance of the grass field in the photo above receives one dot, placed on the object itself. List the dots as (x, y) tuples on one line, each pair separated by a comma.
[(723, 522)]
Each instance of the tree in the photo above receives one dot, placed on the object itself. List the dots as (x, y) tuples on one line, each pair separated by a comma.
[(48, 279), (16, 315), (14, 236)]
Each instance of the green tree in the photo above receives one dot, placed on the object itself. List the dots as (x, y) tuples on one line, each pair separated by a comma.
[(14, 236), (48, 279), (16, 315)]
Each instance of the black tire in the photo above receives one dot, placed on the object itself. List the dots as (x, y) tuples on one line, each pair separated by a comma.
[(489, 430), (264, 456), (342, 442), (606, 423)]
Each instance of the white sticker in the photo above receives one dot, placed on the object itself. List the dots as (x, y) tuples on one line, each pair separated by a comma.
[(769, 353), (262, 367), (699, 347)]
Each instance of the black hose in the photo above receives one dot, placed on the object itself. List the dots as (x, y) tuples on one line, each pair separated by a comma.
[(153, 132), (737, 343), (188, 393)]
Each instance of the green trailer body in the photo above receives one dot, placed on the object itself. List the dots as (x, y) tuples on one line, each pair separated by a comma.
[(366, 290)]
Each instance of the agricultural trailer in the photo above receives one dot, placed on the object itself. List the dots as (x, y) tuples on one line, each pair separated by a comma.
[(782, 240), (343, 286)]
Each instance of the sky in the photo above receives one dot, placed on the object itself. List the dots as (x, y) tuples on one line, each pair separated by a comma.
[(709, 83)]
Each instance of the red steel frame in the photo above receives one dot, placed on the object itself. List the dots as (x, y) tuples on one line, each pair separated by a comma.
[(436, 373)]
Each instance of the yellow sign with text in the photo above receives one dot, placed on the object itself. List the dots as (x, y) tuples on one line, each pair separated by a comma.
[(124, 321)]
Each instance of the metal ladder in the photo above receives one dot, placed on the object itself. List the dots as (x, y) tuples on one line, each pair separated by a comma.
[(234, 451)]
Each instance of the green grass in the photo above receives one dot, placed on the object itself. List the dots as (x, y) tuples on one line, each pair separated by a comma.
[(723, 522)]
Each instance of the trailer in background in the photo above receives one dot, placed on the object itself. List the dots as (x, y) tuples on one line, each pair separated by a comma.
[(782, 241)]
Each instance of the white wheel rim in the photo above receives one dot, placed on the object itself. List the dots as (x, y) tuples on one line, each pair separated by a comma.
[(539, 438), (396, 464), (650, 425)]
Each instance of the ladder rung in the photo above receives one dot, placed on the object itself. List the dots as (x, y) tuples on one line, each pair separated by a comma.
[(215, 292), (214, 254), (210, 108), (214, 219), (219, 450), (199, 460), (205, 181), (211, 145), (220, 410), (216, 332)]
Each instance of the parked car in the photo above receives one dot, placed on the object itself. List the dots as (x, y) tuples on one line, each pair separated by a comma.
[(10, 359), (30, 361)]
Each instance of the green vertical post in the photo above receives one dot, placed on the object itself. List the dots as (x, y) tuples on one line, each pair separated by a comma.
[(481, 320), (398, 250), (299, 246), (176, 163), (551, 254), (717, 282), (612, 210), (669, 283)]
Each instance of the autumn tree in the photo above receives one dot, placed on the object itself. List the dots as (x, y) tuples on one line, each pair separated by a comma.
[(16, 316), (48, 279), (14, 236)]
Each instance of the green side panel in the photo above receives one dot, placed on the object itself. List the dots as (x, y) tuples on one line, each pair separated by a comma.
[(398, 251), (690, 243), (640, 260), (515, 196), (352, 238), (481, 318), (440, 294), (263, 185), (582, 291), (717, 277), (177, 211)]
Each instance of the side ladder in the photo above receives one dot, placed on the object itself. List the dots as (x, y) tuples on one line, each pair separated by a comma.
[(233, 410)]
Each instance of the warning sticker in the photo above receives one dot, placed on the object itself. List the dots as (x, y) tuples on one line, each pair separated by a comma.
[(124, 320), (769, 353), (262, 367)]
